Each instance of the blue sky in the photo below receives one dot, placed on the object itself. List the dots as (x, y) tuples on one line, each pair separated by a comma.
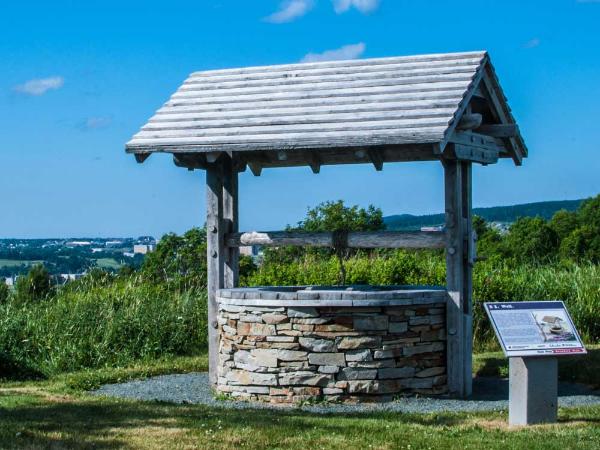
[(77, 79)]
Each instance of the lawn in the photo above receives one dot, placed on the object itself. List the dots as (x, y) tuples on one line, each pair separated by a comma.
[(17, 262), (108, 263), (57, 413)]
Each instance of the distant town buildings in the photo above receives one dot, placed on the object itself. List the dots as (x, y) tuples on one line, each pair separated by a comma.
[(143, 249)]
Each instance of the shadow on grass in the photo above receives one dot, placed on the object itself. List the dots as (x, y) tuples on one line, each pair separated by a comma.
[(85, 423), (15, 370)]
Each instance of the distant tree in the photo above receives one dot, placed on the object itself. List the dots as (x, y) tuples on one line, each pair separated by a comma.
[(36, 285), (531, 239), (126, 271), (4, 292), (589, 213), (489, 239), (178, 259), (583, 244), (335, 216), (564, 222)]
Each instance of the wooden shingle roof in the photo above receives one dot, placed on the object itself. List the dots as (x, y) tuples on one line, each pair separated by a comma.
[(409, 100)]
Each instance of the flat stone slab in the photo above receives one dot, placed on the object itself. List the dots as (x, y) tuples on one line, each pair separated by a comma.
[(489, 394), (332, 296)]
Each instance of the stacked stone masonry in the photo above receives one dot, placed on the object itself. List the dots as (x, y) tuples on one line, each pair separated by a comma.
[(370, 348)]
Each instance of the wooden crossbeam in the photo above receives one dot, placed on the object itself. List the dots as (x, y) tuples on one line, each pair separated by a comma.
[(507, 130), (376, 158), (378, 239), (141, 157), (475, 154)]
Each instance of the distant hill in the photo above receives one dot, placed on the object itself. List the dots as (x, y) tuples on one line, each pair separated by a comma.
[(506, 214)]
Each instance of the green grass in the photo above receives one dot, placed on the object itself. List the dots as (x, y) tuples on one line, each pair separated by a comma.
[(57, 413), (17, 263), (108, 263)]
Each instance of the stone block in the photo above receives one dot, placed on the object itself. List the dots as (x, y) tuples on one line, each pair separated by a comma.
[(229, 330), (274, 319), (313, 321), (350, 373), (304, 328), (374, 364), (371, 323), (359, 355), (317, 345), (242, 377), (329, 369), (281, 338), (255, 329), (427, 348), (358, 342), (430, 372), (302, 313), (303, 378), (398, 327), (420, 320), (284, 326), (250, 318), (291, 355), (327, 359), (396, 372), (332, 391)]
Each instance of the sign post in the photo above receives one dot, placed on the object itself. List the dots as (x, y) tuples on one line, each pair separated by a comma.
[(532, 335)]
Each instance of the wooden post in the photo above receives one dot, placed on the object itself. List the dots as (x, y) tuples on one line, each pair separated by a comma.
[(231, 222), (459, 261), (222, 262), (215, 259)]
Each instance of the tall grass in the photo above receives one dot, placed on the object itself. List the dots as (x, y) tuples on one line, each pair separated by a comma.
[(493, 280), (94, 326)]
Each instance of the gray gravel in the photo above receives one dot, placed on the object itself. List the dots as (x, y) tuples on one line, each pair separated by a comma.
[(489, 394)]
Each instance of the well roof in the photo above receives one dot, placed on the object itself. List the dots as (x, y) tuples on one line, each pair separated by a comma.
[(408, 100)]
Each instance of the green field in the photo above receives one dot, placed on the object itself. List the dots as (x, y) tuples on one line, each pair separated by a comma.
[(17, 263), (108, 263)]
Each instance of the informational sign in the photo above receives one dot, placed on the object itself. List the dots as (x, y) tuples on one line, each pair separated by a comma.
[(534, 328)]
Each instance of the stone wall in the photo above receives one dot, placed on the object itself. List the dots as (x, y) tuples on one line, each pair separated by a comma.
[(282, 353)]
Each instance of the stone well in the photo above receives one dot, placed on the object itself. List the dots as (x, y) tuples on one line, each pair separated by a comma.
[(285, 345)]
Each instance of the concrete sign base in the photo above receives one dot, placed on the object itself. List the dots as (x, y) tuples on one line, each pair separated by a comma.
[(533, 390)]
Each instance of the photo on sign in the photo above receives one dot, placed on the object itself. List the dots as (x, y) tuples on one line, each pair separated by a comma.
[(554, 326)]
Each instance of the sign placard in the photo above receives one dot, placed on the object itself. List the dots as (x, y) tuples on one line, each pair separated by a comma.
[(534, 328)]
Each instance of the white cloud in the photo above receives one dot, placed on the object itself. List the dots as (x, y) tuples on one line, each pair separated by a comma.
[(346, 52), (95, 123), (364, 6), (40, 86), (535, 42), (290, 10)]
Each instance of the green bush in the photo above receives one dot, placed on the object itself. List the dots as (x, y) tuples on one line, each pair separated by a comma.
[(36, 285), (94, 326)]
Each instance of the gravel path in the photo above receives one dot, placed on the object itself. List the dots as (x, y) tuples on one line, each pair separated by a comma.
[(488, 394)]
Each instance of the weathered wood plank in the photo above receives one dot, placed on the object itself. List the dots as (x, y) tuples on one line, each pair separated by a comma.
[(301, 117), (478, 140), (499, 130), (230, 222), (291, 79), (283, 126), (475, 154), (311, 99), (285, 108), (313, 139), (457, 180), (352, 63), (379, 239), (408, 82), (215, 259), (301, 71)]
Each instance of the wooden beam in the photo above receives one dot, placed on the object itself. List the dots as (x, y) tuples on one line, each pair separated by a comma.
[(212, 157), (478, 140), (282, 156), (475, 154), (314, 162), (190, 161), (230, 222), (377, 239), (457, 176), (507, 130), (376, 158), (215, 259), (502, 115), (469, 121), (141, 157), (255, 168)]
